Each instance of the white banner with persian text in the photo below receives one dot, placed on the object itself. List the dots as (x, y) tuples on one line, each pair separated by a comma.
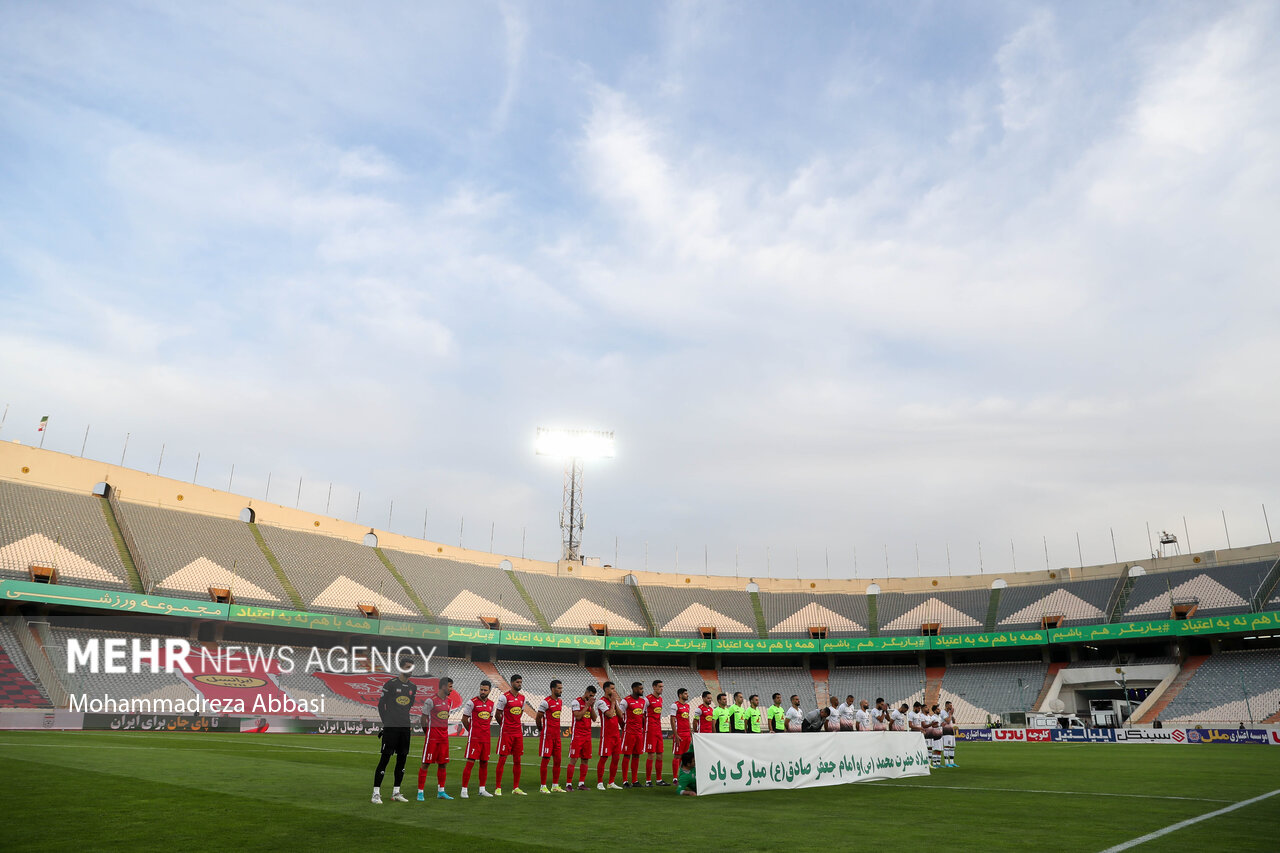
[(732, 763)]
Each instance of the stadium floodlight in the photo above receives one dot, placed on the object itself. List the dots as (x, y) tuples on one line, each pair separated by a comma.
[(573, 446)]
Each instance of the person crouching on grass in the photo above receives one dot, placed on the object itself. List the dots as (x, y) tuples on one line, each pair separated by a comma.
[(687, 781)]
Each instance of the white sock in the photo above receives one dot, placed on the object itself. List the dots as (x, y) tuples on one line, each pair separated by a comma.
[(376, 790), (395, 790)]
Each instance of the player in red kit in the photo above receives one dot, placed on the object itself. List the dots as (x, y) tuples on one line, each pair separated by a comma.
[(583, 712), (435, 725), (633, 731), (609, 712), (706, 714), (550, 711), (477, 715), (653, 735), (681, 730), (509, 708)]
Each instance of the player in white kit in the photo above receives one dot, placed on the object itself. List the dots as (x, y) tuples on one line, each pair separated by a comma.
[(795, 715), (949, 735), (862, 718)]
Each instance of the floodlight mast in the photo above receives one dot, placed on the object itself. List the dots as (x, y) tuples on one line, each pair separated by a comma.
[(573, 446)]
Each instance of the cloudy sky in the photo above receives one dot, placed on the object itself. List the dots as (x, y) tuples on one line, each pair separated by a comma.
[(847, 280)]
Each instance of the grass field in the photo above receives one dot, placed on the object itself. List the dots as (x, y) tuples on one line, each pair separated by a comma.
[(144, 791)]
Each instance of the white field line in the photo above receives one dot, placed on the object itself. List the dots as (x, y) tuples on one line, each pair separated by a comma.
[(1151, 836), (1060, 793)]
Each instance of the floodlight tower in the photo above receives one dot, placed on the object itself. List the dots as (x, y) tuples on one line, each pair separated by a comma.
[(573, 446)]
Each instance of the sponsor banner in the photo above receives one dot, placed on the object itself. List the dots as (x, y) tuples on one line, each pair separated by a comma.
[(241, 684), (658, 644), (1083, 735), (779, 645), (876, 644), (466, 634), (18, 719), (1151, 735), (413, 630), (1019, 735), (73, 596), (366, 688), (734, 763), (975, 734), (541, 638), (1260, 736), (159, 723), (989, 641), (1039, 735), (300, 619)]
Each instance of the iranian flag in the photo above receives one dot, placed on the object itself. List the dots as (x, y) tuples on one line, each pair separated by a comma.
[(43, 421)]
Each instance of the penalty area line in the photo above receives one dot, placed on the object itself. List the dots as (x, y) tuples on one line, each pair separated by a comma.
[(1061, 793), (1159, 833)]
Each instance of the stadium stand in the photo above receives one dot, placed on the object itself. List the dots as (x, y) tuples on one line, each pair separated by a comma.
[(333, 575), (460, 593), (767, 680), (993, 688), (954, 611), (121, 686), (673, 678), (681, 611), (19, 686), (572, 605), (1078, 602), (1214, 589), (184, 554), (792, 614), (302, 686), (896, 684), (1126, 660), (59, 530), (537, 680), (1230, 687)]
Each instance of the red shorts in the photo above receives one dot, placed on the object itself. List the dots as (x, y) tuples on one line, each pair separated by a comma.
[(549, 743), (610, 745), (633, 743), (478, 743), (580, 746), (653, 743), (511, 743), (681, 743), (436, 748)]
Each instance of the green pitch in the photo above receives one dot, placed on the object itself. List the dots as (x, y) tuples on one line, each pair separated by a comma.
[(140, 791)]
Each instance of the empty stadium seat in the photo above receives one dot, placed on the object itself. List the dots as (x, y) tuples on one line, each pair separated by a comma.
[(573, 605), (61, 530), (681, 611), (1229, 688)]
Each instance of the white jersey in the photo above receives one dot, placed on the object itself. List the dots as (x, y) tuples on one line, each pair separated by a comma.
[(913, 719), (863, 719), (794, 716), (845, 711), (945, 718), (897, 722)]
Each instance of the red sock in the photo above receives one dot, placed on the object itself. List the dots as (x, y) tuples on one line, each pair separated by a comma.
[(422, 777), (555, 771), (648, 769), (583, 777), (502, 762), (484, 773), (657, 766), (599, 771), (466, 774), (515, 773), (675, 767), (441, 774), (635, 769), (613, 769), (543, 771)]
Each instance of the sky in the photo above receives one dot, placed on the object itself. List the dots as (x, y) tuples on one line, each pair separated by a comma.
[(851, 282)]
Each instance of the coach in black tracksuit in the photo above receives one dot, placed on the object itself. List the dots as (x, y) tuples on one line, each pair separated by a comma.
[(393, 706)]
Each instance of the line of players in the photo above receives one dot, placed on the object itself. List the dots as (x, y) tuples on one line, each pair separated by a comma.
[(630, 726)]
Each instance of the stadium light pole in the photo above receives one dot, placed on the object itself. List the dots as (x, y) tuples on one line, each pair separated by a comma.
[(574, 446)]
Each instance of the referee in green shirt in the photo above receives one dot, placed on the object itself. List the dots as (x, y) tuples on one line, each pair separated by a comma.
[(754, 714), (722, 715), (739, 713), (776, 716)]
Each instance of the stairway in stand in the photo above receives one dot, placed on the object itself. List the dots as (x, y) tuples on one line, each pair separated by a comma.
[(712, 680), (1049, 677), (1189, 667), (933, 684), (600, 674), (821, 687), (490, 671)]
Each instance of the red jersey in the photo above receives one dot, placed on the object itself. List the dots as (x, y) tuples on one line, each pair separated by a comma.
[(511, 708), (480, 711), (435, 714), (654, 712), (633, 707), (582, 727), (680, 710), (706, 718), (608, 725), (551, 709)]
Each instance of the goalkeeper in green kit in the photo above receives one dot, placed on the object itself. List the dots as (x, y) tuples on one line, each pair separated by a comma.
[(687, 781)]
